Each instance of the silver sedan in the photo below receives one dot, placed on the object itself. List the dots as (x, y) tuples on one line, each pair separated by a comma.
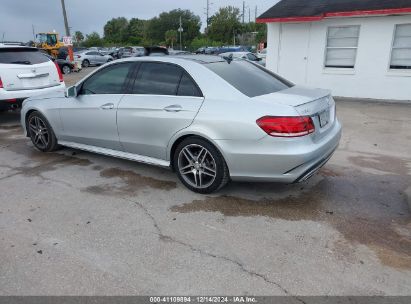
[(91, 57), (209, 119)]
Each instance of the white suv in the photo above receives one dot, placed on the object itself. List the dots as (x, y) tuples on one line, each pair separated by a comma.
[(26, 72)]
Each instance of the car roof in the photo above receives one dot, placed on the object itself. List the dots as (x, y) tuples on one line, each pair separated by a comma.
[(201, 59)]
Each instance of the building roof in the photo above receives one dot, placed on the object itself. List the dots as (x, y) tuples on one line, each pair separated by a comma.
[(315, 10)]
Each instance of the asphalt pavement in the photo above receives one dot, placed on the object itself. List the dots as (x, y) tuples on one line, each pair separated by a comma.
[(76, 223)]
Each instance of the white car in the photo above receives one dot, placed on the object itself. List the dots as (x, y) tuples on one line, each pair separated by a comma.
[(244, 55), (26, 72)]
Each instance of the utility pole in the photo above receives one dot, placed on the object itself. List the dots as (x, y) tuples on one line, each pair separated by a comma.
[(249, 15), (243, 10), (180, 29), (70, 47), (208, 13), (34, 35), (256, 13), (63, 5), (234, 37)]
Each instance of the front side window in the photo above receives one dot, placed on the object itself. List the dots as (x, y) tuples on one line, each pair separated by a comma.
[(111, 80), (401, 48), (249, 78), (342, 45)]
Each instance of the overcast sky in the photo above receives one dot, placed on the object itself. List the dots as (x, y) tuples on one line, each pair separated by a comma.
[(18, 16)]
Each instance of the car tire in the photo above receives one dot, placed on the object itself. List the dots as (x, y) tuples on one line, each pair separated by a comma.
[(85, 63), (66, 69), (200, 166), (41, 133)]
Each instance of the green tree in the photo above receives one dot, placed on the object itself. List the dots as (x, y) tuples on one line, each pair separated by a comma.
[(171, 37), (166, 21), (225, 24), (79, 37), (137, 29), (93, 39), (116, 30), (199, 42)]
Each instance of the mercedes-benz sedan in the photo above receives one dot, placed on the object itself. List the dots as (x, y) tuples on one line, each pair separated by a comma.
[(210, 119)]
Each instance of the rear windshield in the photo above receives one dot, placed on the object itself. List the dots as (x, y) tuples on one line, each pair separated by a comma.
[(249, 78), (21, 56)]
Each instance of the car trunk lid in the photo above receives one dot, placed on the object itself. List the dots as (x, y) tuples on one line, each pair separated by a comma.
[(26, 69), (29, 77), (316, 103)]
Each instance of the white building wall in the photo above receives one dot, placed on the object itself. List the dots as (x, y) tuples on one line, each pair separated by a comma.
[(371, 77)]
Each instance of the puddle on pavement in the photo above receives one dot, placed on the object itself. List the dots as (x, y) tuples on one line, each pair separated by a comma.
[(131, 183), (39, 162), (366, 209)]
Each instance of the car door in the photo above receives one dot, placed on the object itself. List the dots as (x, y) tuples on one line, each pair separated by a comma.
[(101, 58), (163, 100), (90, 118)]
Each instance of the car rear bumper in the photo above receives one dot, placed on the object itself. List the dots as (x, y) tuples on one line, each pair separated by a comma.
[(285, 160), (9, 104), (23, 94)]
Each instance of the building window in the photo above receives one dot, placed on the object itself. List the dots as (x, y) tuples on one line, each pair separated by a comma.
[(342, 44), (401, 47)]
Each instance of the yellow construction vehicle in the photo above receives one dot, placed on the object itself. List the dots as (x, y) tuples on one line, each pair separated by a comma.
[(49, 42)]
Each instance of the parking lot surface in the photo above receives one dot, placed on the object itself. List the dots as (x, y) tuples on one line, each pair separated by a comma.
[(75, 223)]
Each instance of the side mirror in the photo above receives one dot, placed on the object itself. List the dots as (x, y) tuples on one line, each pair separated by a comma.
[(71, 92)]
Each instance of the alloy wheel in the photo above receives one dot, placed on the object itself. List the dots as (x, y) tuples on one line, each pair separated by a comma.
[(39, 132), (197, 166)]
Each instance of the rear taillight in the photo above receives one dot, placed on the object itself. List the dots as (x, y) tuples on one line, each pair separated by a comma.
[(286, 126), (59, 72), (1, 84)]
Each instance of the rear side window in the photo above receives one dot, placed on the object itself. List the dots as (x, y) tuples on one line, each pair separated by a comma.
[(21, 56), (249, 78), (156, 78), (111, 80), (187, 87)]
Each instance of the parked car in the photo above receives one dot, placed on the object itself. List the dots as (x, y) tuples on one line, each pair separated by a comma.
[(156, 51), (244, 55), (133, 51), (231, 49), (26, 72), (88, 58), (177, 52), (200, 50), (208, 119), (211, 50), (66, 67)]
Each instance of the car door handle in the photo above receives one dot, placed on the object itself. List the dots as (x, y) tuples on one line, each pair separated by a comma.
[(173, 108), (107, 106)]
